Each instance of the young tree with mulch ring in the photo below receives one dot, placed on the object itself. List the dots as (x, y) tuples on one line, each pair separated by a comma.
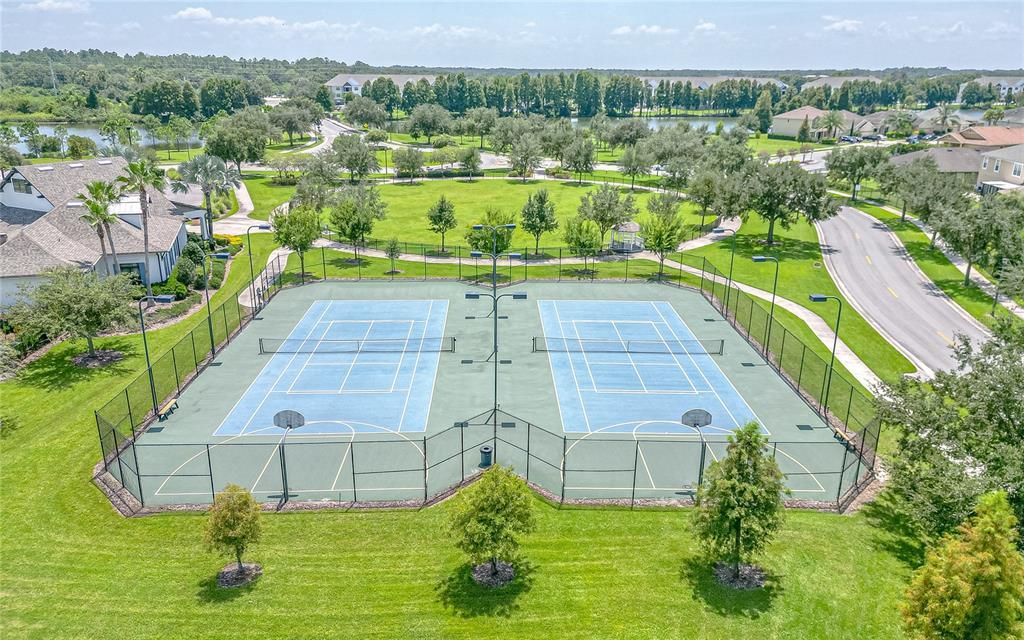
[(393, 251), (739, 507), (233, 525), (486, 521), (441, 218)]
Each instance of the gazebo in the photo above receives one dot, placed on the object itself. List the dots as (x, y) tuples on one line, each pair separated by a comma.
[(626, 238)]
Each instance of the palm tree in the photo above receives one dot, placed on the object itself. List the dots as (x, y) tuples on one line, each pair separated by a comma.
[(944, 117), (831, 121), (139, 176), (101, 196), (900, 122), (211, 175)]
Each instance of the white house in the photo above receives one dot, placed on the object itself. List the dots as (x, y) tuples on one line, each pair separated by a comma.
[(41, 226), (353, 83), (1002, 84)]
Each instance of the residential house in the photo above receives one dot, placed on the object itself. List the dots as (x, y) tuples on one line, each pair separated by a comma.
[(345, 83), (1002, 170), (41, 226), (958, 163), (985, 138), (788, 124), (1002, 85), (836, 82)]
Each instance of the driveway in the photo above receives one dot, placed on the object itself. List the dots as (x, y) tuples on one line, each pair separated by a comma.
[(878, 277)]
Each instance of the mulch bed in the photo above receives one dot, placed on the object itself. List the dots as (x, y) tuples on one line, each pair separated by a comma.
[(483, 576), (230, 577), (102, 358), (751, 576)]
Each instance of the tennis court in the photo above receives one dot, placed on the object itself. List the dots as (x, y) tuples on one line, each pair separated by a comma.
[(354, 366), (635, 367)]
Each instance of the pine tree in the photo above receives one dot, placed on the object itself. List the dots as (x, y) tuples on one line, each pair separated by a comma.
[(971, 587), (763, 111), (804, 135)]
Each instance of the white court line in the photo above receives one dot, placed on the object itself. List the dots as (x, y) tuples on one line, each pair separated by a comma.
[(405, 406), (352, 364), (401, 359), (640, 450), (437, 363), (572, 368), (630, 356), (583, 352), (551, 364), (341, 466)]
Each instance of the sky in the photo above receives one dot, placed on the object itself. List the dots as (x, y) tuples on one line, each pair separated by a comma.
[(751, 34)]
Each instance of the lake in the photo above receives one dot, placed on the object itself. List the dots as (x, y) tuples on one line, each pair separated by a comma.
[(670, 121), (86, 131)]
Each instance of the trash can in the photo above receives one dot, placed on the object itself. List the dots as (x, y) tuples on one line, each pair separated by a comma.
[(486, 456)]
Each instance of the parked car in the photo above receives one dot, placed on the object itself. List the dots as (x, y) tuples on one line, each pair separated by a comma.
[(930, 136), (874, 137), (850, 139), (913, 139)]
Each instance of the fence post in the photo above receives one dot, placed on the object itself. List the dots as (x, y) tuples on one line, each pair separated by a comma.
[(131, 418), (138, 474), (700, 471), (458, 252), (174, 363), (462, 453), (209, 466), (562, 500), (849, 407), (636, 459), (782, 350), (195, 356), (559, 264), (842, 472), (352, 461), (701, 272), (424, 469), (528, 425), (323, 261), (800, 372), (424, 249), (103, 450), (627, 280)]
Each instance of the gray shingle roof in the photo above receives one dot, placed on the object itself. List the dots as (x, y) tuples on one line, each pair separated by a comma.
[(947, 159), (61, 237), (1011, 154)]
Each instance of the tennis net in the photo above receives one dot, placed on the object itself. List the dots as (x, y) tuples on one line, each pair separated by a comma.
[(585, 345), (313, 345)]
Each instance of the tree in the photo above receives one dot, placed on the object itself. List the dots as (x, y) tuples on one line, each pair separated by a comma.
[(702, 191), (662, 234), (356, 156), (212, 175), (945, 117), (408, 161), (483, 240), (429, 120), (233, 524), (832, 122), (635, 162), (323, 98), (60, 133), (241, 139), (488, 517), (606, 207), (441, 217), (739, 505), (97, 200), (993, 115), (853, 164), (221, 94), (525, 156), (579, 157), (354, 211), (296, 228), (139, 177), (364, 111), (763, 110), (583, 238), (74, 303), (292, 120), (971, 586), (538, 216), (781, 193), (92, 101), (80, 147), (973, 231), (959, 436), (470, 161), (482, 120), (393, 251)]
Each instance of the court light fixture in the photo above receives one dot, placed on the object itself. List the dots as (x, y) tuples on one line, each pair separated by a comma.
[(477, 227), (472, 296), (476, 254), (509, 226), (759, 259), (817, 297), (519, 296), (720, 230), (222, 255), (514, 256)]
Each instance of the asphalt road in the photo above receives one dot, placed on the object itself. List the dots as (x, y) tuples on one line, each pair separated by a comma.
[(885, 285)]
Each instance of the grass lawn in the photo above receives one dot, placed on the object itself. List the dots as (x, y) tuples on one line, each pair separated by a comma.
[(771, 145), (801, 273), (936, 265), (408, 205), (71, 567), (265, 194)]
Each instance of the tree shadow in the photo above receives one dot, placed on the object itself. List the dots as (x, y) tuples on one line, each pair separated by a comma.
[(345, 263), (580, 273), (460, 593), (210, 593), (57, 369), (896, 533), (724, 600)]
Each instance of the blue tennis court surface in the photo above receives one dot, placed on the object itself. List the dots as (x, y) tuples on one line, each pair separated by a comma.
[(634, 366), (348, 366)]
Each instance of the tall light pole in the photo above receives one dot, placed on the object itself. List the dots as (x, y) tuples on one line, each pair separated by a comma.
[(818, 297), (252, 275), (164, 298), (206, 288), (472, 295), (719, 231), (771, 310)]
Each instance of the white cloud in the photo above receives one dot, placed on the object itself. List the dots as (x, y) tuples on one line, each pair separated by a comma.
[(205, 16), (842, 25), (56, 6), (644, 29), (194, 13), (530, 25), (130, 26), (1002, 29), (704, 26)]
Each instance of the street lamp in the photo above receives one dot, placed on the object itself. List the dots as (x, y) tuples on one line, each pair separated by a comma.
[(818, 297), (252, 275), (721, 231), (206, 281), (163, 298), (775, 286), (473, 295)]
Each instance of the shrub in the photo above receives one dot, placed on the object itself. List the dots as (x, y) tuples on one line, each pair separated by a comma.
[(194, 252), (184, 271), (172, 286)]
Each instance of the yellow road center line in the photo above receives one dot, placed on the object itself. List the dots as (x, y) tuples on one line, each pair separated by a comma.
[(943, 336), (892, 292), (868, 258)]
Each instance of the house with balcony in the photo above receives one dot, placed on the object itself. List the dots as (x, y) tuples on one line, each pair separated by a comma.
[(1002, 170), (41, 226)]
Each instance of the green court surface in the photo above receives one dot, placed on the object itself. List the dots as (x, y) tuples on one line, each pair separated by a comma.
[(180, 460)]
